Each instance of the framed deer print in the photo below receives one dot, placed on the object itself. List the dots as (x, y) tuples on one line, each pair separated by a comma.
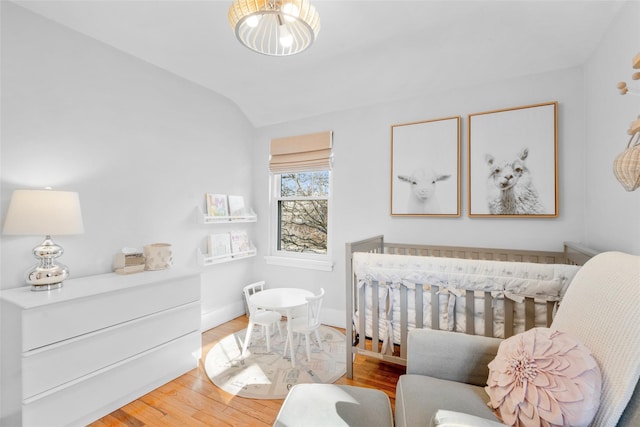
[(513, 162), (425, 168)]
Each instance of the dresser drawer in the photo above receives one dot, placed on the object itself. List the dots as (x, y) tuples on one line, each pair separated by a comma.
[(80, 402), (61, 363), (73, 317)]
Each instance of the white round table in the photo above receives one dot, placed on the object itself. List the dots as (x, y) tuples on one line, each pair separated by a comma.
[(283, 300)]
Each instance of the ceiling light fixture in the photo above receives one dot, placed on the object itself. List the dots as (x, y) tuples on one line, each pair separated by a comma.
[(275, 27)]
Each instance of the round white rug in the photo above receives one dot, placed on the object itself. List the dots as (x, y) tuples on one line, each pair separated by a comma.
[(269, 375)]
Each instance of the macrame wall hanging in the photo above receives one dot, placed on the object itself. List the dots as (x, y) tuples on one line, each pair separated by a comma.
[(626, 167)]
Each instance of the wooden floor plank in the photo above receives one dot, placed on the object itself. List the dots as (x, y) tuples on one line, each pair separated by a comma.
[(148, 415), (193, 400)]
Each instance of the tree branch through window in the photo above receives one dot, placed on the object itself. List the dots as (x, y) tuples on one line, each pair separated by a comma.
[(303, 212)]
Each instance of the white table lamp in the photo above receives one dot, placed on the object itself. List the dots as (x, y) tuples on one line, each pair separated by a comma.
[(44, 212)]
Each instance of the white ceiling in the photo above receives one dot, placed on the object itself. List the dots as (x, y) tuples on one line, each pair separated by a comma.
[(367, 52)]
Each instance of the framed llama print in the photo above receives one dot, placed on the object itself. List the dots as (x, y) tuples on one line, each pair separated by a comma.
[(425, 168), (513, 162)]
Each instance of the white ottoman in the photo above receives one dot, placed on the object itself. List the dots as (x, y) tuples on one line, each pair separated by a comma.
[(334, 405)]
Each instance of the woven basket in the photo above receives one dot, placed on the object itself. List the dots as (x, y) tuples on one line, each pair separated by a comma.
[(626, 166)]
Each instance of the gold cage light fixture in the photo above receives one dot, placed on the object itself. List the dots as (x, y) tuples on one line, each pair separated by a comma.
[(275, 27)]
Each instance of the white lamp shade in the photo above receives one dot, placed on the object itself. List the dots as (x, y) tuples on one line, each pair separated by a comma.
[(43, 212)]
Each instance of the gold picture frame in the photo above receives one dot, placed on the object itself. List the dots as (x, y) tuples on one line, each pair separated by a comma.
[(513, 162), (425, 168)]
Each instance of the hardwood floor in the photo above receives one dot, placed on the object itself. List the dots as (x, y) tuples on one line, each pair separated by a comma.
[(193, 400)]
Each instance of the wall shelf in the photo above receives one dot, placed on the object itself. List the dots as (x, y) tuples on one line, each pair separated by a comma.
[(208, 219), (206, 260), (242, 242)]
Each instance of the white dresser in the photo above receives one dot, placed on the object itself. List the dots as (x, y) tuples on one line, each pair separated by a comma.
[(72, 355)]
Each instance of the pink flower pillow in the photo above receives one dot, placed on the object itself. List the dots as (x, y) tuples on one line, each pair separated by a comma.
[(544, 377)]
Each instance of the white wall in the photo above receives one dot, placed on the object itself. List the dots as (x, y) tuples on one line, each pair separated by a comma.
[(139, 144), (612, 214), (361, 179)]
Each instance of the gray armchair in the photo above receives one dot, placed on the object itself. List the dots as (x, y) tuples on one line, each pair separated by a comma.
[(448, 371)]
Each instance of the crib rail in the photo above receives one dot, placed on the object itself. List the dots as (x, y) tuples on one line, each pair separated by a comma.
[(513, 255)]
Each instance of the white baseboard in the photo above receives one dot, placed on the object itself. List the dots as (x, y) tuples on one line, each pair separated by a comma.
[(217, 317), (333, 317)]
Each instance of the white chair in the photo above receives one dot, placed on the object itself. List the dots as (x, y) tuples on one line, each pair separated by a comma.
[(258, 316), (308, 323)]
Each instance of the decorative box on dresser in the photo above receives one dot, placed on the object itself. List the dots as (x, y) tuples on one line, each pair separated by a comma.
[(75, 354)]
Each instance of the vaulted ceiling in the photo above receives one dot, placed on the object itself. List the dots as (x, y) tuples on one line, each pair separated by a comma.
[(367, 52)]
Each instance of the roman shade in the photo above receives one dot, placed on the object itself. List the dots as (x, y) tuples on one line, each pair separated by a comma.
[(302, 153)]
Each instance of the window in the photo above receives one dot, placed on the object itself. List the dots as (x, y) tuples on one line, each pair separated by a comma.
[(300, 201)]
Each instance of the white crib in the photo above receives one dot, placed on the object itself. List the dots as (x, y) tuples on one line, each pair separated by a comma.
[(392, 288)]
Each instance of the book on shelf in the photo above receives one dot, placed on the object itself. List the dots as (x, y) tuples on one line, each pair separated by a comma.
[(236, 206), (219, 244), (240, 241), (217, 204)]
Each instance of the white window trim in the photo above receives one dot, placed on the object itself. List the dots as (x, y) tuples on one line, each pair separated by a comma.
[(293, 259), (309, 264)]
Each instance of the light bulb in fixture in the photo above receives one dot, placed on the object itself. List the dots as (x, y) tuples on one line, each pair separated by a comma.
[(291, 12), (286, 39), (253, 21)]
